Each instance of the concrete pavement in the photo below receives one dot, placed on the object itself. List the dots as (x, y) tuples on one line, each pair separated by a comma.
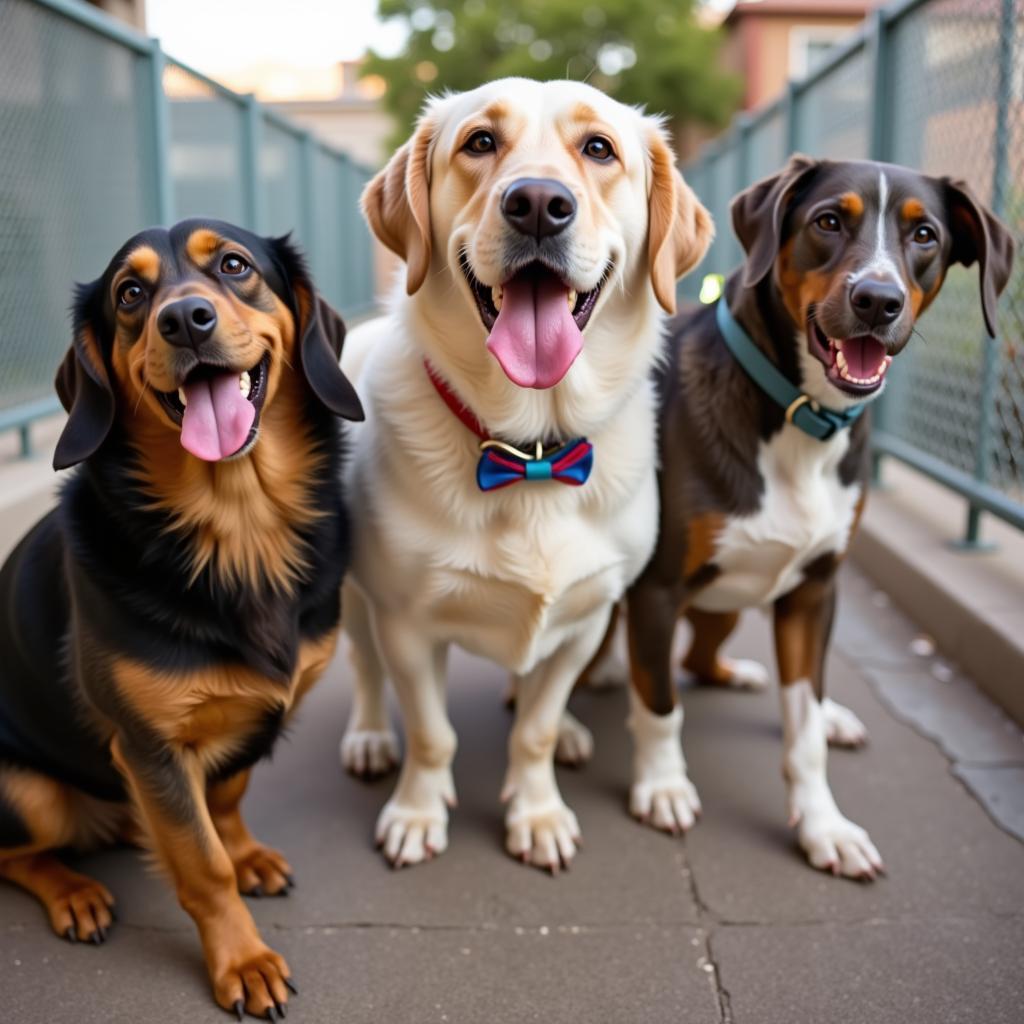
[(728, 925)]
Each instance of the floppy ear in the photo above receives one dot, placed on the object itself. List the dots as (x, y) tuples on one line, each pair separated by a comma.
[(83, 386), (397, 204), (320, 333), (758, 214), (679, 228), (979, 235)]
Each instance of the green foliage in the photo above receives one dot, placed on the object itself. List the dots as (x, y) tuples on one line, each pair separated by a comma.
[(650, 52)]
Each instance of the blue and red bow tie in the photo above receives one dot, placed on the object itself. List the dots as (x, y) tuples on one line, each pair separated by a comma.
[(502, 465)]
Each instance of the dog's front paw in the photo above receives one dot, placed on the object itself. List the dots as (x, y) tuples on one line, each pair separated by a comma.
[(545, 835), (834, 843), (80, 909), (665, 800), (262, 871), (575, 744), (413, 826), (369, 753), (662, 794), (253, 980), (842, 727)]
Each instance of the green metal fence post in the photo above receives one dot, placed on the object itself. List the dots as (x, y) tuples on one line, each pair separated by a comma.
[(161, 133), (306, 184), (251, 136), (879, 57), (792, 115), (990, 346)]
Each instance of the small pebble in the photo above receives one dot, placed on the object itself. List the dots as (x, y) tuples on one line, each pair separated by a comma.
[(923, 646)]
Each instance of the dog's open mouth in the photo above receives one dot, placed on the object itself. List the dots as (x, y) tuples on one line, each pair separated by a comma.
[(535, 322), (219, 409), (855, 365)]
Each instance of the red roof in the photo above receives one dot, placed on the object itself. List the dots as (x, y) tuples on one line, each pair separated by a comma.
[(807, 8)]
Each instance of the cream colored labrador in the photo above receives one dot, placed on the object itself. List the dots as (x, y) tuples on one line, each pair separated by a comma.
[(543, 227)]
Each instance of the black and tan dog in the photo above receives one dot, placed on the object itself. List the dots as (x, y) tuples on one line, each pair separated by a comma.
[(763, 456), (160, 626)]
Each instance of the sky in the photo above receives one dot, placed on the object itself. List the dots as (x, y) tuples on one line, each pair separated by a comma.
[(221, 36)]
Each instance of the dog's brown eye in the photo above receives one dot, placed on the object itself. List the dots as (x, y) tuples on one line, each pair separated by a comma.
[(129, 293), (828, 222), (233, 264), (480, 143), (598, 148), (924, 234)]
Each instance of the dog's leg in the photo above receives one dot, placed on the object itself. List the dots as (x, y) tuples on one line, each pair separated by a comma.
[(540, 829), (704, 660), (662, 794), (169, 791), (369, 747), (38, 814), (259, 869), (413, 826), (803, 620)]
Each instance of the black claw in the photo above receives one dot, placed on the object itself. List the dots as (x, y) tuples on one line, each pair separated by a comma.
[(113, 914), (290, 984), (239, 1009), (256, 892), (70, 934), (271, 1015), (282, 1009), (290, 879), (95, 938)]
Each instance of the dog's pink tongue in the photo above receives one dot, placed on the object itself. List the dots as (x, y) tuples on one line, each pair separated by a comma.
[(217, 417), (864, 355), (535, 337)]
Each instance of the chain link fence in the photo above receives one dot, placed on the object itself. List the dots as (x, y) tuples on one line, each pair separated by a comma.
[(101, 136), (937, 85)]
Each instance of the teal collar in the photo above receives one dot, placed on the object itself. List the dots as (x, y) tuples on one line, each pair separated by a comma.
[(801, 410)]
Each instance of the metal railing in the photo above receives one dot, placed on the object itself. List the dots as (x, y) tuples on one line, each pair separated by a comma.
[(937, 85), (101, 135)]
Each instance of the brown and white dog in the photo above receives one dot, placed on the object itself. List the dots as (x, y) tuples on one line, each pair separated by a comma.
[(543, 227), (842, 258)]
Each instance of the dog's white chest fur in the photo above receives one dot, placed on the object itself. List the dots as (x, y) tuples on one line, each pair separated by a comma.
[(805, 512), (509, 574)]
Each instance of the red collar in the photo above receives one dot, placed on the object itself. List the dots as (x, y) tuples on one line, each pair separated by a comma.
[(458, 407)]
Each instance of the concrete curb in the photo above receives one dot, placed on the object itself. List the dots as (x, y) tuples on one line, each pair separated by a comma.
[(972, 603)]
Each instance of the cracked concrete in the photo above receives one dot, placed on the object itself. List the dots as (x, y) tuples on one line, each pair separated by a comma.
[(728, 926)]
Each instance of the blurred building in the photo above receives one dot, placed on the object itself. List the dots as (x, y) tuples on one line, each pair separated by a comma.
[(351, 118), (769, 42), (131, 11)]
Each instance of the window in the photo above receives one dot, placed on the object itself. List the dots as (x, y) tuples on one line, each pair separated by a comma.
[(809, 45)]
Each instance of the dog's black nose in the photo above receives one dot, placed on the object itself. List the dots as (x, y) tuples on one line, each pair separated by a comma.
[(876, 302), (187, 322), (538, 207)]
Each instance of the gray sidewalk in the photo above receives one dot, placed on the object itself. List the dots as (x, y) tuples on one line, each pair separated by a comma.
[(728, 925)]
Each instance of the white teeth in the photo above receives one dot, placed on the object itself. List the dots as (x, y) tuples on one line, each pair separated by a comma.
[(497, 294), (571, 299), (840, 359), (244, 383), (181, 396)]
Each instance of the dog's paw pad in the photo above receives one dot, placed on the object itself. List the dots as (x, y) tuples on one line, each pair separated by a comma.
[(836, 844), (575, 744), (262, 871), (82, 911), (668, 803), (411, 835), (369, 753), (546, 837), (842, 727), (255, 982), (744, 674)]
